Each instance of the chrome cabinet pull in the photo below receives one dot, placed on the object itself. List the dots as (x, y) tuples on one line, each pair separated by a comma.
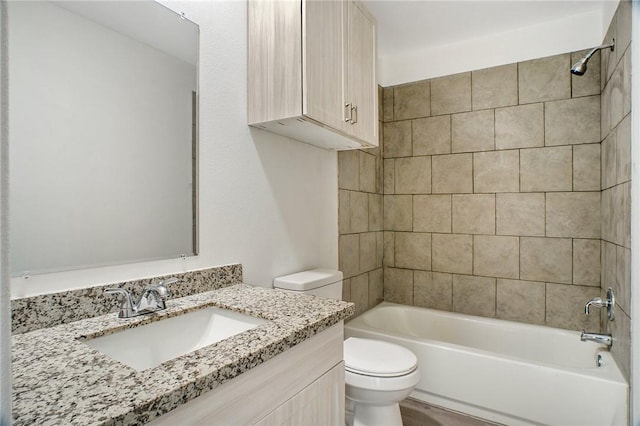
[(347, 113), (354, 113)]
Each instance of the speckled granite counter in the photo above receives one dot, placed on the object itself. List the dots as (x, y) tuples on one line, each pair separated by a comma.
[(57, 379)]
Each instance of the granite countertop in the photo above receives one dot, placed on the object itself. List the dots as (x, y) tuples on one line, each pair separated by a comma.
[(57, 379)]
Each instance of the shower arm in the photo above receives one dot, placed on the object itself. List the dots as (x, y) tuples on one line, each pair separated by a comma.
[(595, 49)]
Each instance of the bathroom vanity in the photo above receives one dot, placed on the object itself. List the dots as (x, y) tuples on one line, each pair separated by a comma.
[(286, 370)]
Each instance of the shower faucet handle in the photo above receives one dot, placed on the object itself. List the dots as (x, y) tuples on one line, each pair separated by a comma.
[(599, 302)]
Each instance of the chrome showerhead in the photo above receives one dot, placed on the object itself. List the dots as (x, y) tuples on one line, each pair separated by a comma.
[(580, 67)]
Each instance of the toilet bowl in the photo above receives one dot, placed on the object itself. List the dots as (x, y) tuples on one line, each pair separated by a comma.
[(378, 375)]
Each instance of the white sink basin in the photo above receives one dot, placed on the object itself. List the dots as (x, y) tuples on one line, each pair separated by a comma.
[(152, 344)]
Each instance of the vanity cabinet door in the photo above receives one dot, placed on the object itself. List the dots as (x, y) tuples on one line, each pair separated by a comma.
[(319, 404)]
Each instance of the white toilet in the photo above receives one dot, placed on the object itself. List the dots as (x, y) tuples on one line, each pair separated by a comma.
[(378, 375)]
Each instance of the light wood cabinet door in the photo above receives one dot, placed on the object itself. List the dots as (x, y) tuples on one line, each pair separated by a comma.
[(274, 60), (361, 85), (324, 64), (319, 404)]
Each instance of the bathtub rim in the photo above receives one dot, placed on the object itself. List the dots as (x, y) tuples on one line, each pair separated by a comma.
[(609, 371)]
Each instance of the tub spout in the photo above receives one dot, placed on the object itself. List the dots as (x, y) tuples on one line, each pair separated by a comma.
[(603, 339)]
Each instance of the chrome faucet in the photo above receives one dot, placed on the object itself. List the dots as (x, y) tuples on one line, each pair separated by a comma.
[(127, 309), (603, 339), (599, 302), (152, 299)]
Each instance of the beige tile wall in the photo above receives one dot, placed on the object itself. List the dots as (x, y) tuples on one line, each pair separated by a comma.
[(361, 239), (492, 192), (615, 132)]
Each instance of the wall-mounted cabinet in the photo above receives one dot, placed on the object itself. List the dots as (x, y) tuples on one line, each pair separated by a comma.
[(312, 71)]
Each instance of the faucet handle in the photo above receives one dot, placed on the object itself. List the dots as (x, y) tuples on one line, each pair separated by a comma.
[(161, 287), (598, 302), (126, 306)]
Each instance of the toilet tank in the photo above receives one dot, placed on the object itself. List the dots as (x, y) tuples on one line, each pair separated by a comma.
[(319, 282)]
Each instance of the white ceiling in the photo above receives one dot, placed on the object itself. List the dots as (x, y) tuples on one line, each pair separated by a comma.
[(410, 25)]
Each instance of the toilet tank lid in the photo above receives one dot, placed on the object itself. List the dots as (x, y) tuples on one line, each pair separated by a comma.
[(308, 280)]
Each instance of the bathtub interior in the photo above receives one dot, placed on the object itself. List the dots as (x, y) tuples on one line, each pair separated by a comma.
[(518, 340), (463, 368)]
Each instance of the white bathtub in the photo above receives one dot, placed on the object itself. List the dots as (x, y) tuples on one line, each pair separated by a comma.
[(506, 372)]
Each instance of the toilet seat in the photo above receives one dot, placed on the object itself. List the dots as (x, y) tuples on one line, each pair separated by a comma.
[(375, 358), (382, 384)]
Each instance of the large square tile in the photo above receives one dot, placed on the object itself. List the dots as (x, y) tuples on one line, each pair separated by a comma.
[(520, 214), (413, 250), (586, 262), (522, 301), (452, 174), (544, 79), (572, 121), (520, 126), (398, 213), (432, 135), (432, 213), (546, 169), (432, 290), (472, 131), (451, 94), (398, 286), (474, 295), (573, 214), (452, 253), (413, 175), (546, 259), (497, 171), (494, 87), (496, 256), (474, 214), (397, 139), (412, 100)]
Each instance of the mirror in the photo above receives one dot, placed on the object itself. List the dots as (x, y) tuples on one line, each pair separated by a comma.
[(102, 134)]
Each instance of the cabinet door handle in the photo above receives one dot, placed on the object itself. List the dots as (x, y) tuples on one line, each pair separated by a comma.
[(347, 113), (354, 113)]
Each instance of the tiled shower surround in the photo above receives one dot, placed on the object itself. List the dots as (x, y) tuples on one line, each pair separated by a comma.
[(492, 192), (498, 197), (615, 130)]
